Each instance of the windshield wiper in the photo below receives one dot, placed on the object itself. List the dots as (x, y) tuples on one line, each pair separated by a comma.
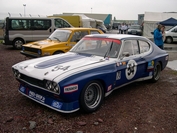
[(49, 39), (57, 39), (110, 48)]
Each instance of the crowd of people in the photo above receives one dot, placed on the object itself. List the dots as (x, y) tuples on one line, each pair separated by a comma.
[(123, 28)]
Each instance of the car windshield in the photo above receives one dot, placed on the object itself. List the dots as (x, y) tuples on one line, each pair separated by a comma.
[(60, 35), (135, 27), (98, 46)]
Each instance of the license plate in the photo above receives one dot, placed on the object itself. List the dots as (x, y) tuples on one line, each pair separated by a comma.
[(36, 96)]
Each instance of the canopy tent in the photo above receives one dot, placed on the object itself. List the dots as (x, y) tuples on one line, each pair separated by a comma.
[(169, 22)]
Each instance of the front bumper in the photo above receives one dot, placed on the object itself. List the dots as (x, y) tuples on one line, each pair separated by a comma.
[(30, 54), (49, 101)]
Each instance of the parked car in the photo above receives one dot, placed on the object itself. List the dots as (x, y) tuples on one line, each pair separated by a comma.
[(96, 66), (60, 41), (135, 30), (171, 35)]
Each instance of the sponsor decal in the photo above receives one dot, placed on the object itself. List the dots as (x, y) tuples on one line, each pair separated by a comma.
[(150, 65), (118, 75), (109, 88), (22, 89), (106, 58), (121, 63), (71, 88), (131, 69), (36, 96), (56, 104)]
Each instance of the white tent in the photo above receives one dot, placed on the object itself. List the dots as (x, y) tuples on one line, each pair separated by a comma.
[(89, 22), (151, 19)]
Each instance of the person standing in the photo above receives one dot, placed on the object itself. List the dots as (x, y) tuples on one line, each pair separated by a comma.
[(158, 37)]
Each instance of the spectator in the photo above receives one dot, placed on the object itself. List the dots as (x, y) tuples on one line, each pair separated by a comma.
[(163, 32), (158, 37), (119, 28)]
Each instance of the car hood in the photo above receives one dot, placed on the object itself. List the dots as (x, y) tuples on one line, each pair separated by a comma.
[(42, 43), (51, 67)]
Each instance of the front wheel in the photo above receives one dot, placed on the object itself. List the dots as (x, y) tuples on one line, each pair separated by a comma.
[(91, 96), (169, 40), (17, 43), (157, 70)]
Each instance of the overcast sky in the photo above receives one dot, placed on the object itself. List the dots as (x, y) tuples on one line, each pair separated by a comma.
[(121, 9)]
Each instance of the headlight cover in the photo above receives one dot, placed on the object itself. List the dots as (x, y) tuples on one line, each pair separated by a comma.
[(16, 73), (52, 86)]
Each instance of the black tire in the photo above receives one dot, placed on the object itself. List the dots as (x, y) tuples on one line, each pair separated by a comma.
[(17, 43), (168, 40), (91, 97), (156, 74), (58, 52)]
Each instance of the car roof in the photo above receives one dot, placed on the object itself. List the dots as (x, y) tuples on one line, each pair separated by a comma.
[(78, 28), (117, 36)]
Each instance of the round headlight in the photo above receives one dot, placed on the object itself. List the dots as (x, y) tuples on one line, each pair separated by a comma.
[(23, 48), (39, 52)]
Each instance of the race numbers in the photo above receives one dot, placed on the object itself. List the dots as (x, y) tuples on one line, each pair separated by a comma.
[(131, 69)]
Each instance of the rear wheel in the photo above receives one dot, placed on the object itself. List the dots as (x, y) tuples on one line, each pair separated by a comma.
[(17, 43), (91, 96), (169, 40), (157, 70)]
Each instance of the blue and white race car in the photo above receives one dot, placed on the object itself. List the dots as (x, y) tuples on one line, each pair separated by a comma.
[(90, 71)]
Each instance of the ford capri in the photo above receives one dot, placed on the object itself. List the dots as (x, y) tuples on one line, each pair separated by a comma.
[(96, 66)]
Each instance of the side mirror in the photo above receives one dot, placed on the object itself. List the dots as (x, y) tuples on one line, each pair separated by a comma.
[(125, 54)]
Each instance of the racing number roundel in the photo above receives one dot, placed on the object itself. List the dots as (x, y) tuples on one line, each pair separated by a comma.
[(131, 69)]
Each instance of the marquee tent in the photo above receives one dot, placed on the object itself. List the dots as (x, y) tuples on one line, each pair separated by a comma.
[(169, 22)]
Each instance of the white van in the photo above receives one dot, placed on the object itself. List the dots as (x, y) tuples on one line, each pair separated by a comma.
[(20, 30), (171, 35)]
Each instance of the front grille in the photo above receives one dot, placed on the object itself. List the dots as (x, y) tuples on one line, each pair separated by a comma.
[(34, 50), (33, 81)]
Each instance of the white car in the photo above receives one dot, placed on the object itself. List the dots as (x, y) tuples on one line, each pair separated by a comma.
[(171, 35)]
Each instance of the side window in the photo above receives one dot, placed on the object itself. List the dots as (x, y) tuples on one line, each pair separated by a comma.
[(135, 47), (59, 23), (20, 24), (41, 24), (65, 24), (175, 30), (144, 46), (78, 35), (94, 32), (127, 49)]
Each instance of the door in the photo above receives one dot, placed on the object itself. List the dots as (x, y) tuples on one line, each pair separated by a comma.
[(41, 29), (131, 64)]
